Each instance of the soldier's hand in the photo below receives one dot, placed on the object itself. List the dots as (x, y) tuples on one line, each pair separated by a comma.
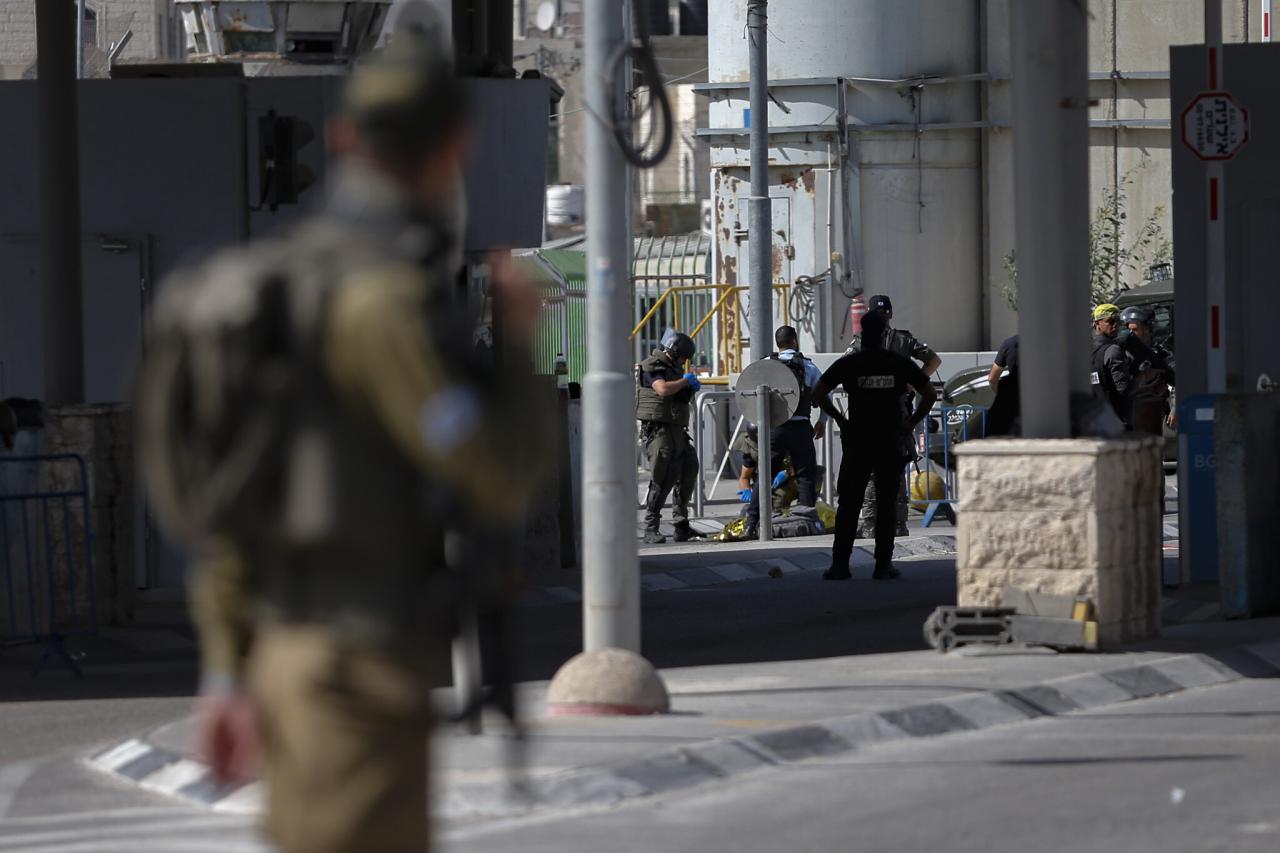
[(515, 297), (227, 736), (819, 431)]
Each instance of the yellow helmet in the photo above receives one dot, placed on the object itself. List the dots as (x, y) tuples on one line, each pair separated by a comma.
[(926, 486), (1105, 311)]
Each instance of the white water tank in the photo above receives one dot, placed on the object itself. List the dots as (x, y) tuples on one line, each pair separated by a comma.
[(913, 190)]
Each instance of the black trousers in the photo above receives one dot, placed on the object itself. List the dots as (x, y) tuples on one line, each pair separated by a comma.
[(860, 465), (794, 439)]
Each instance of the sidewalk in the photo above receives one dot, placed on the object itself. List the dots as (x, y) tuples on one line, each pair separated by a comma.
[(735, 718)]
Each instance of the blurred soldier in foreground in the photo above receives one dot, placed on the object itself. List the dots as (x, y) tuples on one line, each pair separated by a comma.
[(302, 405), (663, 398), (902, 343)]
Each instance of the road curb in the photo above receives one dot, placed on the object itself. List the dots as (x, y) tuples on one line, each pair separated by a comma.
[(163, 771)]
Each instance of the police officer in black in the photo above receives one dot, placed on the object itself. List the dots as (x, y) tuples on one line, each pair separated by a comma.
[(662, 406), (1151, 369), (875, 380), (1111, 378), (796, 436), (900, 342)]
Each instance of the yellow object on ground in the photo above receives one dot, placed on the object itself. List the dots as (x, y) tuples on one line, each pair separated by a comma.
[(926, 486)]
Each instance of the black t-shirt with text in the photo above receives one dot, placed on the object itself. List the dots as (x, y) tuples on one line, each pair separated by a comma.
[(875, 381)]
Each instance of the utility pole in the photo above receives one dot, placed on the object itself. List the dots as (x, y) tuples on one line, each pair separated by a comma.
[(1216, 227), (611, 572), (59, 140), (761, 214), (1051, 196)]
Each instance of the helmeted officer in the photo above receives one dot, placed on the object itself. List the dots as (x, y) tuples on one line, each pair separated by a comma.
[(1151, 368), (318, 617), (795, 436), (1111, 379), (663, 397), (876, 380), (900, 342)]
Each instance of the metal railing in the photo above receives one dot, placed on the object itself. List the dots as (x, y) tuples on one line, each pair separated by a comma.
[(46, 550), (935, 444), (718, 318)]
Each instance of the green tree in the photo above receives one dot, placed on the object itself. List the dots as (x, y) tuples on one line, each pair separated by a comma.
[(1114, 265)]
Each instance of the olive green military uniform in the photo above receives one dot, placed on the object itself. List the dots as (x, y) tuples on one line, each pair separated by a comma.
[(332, 613), (663, 430), (903, 343), (333, 626)]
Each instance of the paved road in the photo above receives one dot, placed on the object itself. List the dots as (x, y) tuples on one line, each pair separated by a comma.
[(1191, 772)]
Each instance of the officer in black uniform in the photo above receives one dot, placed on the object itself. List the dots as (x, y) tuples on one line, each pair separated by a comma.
[(1151, 368), (1006, 408), (900, 342), (662, 406), (876, 381), (796, 436), (1111, 378)]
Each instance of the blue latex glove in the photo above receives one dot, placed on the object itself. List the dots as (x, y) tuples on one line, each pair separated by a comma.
[(779, 479), (693, 382), (746, 495)]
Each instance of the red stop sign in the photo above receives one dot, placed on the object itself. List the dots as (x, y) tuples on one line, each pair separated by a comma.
[(1214, 126)]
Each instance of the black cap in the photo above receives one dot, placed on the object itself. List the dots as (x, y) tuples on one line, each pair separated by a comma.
[(880, 302)]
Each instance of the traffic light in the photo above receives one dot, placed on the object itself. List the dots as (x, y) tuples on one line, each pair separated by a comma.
[(281, 176)]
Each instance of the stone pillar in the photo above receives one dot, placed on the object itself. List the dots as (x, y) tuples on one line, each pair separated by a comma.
[(1075, 517), (102, 435)]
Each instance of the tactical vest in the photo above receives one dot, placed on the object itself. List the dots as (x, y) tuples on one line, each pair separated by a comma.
[(652, 406), (796, 366), (897, 341), (343, 530)]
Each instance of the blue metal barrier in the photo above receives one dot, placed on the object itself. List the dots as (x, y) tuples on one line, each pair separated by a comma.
[(955, 424), (46, 539)]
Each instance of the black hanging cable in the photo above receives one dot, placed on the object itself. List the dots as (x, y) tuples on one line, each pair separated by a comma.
[(640, 52)]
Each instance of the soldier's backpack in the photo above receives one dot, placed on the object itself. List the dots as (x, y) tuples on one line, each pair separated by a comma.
[(222, 372)]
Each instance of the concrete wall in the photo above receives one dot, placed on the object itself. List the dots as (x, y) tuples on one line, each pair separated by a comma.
[(151, 22), (1131, 37), (680, 57)]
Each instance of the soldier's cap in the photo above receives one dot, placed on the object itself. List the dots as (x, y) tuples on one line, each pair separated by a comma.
[(1105, 311), (880, 302), (405, 98)]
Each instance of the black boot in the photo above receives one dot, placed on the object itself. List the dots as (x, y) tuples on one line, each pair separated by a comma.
[(685, 533), (653, 536), (885, 571)]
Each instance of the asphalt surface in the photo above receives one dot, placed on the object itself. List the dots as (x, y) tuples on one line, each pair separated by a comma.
[(1191, 772)]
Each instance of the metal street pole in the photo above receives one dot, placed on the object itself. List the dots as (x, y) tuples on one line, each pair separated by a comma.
[(79, 39), (1051, 196), (764, 473), (59, 145), (611, 572), (1216, 226), (761, 215)]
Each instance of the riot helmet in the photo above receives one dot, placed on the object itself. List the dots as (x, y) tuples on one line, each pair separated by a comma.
[(1137, 314), (680, 345)]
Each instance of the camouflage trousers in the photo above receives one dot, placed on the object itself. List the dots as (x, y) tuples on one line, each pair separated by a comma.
[(674, 466), (867, 518)]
